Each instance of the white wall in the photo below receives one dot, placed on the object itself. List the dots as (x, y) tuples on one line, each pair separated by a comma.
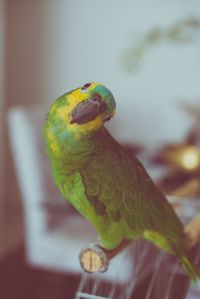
[(85, 41)]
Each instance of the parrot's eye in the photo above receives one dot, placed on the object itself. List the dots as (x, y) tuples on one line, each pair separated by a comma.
[(86, 86)]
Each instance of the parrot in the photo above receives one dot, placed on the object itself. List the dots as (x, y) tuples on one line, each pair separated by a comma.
[(105, 184)]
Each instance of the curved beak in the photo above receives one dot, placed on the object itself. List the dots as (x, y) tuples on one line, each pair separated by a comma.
[(87, 110)]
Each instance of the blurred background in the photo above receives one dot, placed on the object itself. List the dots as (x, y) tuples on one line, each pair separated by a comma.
[(147, 54)]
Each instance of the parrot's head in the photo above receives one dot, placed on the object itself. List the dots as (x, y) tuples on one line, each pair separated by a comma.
[(83, 110)]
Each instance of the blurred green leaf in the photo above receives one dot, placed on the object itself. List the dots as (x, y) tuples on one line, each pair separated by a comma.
[(186, 31)]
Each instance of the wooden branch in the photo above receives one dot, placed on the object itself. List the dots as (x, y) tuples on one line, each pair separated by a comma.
[(96, 258)]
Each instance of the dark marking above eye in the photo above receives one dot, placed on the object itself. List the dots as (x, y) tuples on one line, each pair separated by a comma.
[(84, 87)]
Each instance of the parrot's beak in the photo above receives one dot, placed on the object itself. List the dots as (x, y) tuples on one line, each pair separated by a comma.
[(87, 110)]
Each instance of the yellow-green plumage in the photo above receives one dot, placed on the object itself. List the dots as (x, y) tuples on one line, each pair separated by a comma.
[(107, 186)]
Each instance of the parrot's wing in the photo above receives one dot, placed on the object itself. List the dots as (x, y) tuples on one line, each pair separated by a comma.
[(118, 186)]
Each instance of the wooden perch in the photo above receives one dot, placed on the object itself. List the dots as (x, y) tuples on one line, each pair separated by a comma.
[(96, 259)]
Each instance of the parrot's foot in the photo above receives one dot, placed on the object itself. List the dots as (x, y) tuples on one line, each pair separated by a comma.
[(96, 258)]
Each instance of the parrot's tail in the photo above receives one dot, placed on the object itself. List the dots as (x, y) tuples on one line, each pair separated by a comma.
[(190, 268)]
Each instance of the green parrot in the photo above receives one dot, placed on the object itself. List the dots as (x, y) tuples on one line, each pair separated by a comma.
[(102, 181)]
